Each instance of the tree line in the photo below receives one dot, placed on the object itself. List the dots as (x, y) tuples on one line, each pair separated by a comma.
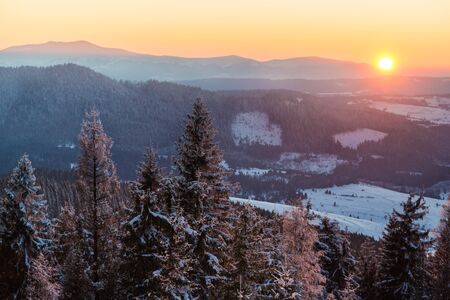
[(177, 236)]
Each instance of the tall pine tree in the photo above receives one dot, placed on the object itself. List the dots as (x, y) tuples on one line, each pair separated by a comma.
[(402, 272), (199, 158), (97, 183), (203, 196)]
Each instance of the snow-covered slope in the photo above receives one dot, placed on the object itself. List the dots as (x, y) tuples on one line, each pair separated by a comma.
[(253, 128), (359, 208), (352, 139), (310, 163), (415, 112)]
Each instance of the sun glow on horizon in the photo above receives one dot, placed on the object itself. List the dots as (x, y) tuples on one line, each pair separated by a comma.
[(351, 30), (386, 63)]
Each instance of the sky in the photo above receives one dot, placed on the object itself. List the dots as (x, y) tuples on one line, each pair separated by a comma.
[(416, 33)]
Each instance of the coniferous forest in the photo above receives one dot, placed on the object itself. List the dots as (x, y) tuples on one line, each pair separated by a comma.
[(173, 234)]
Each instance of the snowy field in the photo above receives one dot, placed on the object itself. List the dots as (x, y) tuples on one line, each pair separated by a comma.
[(414, 112), (358, 208), (252, 172), (253, 128), (437, 101), (352, 139), (310, 163)]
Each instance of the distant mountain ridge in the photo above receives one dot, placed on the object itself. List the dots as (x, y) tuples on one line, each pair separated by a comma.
[(126, 65), (402, 85), (76, 47)]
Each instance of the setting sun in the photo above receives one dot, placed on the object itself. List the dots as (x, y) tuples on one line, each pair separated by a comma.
[(386, 63)]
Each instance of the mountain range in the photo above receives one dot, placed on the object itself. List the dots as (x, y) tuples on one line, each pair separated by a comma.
[(125, 65)]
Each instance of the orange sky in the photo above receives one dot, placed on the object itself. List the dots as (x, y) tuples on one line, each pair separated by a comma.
[(415, 32)]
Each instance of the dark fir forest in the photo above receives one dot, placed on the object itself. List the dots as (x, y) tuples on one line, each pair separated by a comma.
[(172, 233)]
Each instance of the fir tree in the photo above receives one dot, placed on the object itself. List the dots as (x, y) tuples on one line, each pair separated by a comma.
[(97, 183), (76, 281), (42, 283), (285, 285), (175, 276), (199, 158), (248, 265), (144, 249), (149, 174), (441, 259), (145, 238), (70, 252), (402, 273), (168, 194), (299, 239), (203, 197), (274, 270), (65, 233), (19, 240), (367, 270), (338, 264)]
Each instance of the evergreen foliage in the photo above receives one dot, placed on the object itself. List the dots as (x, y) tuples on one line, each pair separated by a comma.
[(337, 262), (20, 242), (402, 272), (440, 261), (97, 183)]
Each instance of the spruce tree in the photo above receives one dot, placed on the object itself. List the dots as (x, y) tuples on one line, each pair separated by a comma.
[(440, 261), (402, 272), (299, 238), (175, 276), (75, 271), (146, 237), (285, 285), (65, 233), (19, 240), (337, 262), (367, 270), (248, 258), (70, 252), (97, 183), (149, 174), (275, 270), (198, 163), (157, 243), (42, 282), (144, 249), (203, 197)]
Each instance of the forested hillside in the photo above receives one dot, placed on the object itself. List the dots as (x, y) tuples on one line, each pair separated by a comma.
[(178, 236), (283, 132)]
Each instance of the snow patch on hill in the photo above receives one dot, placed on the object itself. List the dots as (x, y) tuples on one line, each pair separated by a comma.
[(415, 112), (437, 101), (252, 172), (254, 128), (353, 139), (358, 208), (310, 162)]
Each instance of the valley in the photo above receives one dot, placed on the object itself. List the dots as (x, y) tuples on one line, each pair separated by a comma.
[(275, 142)]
